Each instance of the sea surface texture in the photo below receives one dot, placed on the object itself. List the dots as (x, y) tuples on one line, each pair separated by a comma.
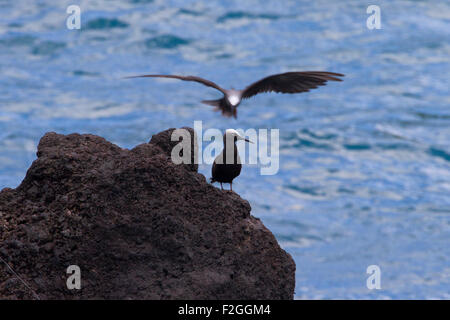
[(364, 164)]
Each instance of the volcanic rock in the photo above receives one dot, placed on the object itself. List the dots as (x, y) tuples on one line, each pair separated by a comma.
[(137, 225)]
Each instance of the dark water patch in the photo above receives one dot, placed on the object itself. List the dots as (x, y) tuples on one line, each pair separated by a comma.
[(394, 146), (435, 152), (224, 56), (345, 190), (312, 191), (439, 210), (15, 25), (166, 41), (312, 237), (47, 48), (426, 116), (410, 123), (413, 42), (295, 119), (264, 206), (82, 73), (141, 1), (190, 12), (105, 106), (357, 146), (292, 140), (105, 23), (287, 238), (411, 95), (322, 136), (98, 38), (311, 144), (18, 40), (293, 223), (234, 15)]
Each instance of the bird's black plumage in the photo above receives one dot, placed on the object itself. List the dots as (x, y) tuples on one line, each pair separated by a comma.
[(289, 82), (227, 164), (184, 78)]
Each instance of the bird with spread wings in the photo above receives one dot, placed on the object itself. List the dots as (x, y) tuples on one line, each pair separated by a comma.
[(289, 82)]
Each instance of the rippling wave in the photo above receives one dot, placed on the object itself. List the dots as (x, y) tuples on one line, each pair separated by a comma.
[(364, 164)]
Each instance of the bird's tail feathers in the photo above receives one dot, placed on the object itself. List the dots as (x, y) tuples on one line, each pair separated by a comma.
[(214, 103), (221, 105)]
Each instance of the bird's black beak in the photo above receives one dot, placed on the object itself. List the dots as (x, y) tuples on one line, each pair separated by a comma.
[(248, 140)]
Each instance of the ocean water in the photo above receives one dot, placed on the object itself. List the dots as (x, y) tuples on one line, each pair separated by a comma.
[(364, 173)]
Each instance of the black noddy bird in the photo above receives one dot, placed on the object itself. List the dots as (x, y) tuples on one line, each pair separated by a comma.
[(289, 82), (227, 164)]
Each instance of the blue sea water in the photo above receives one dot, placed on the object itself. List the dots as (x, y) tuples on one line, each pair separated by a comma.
[(364, 173)]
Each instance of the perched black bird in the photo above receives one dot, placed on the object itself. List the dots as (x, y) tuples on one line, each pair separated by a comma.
[(227, 164), (289, 82)]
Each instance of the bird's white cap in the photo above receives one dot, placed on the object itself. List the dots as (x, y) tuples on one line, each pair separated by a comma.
[(232, 132)]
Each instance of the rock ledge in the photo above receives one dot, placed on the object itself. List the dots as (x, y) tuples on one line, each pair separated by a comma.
[(137, 225)]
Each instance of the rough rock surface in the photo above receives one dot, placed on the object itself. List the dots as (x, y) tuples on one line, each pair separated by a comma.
[(137, 225)]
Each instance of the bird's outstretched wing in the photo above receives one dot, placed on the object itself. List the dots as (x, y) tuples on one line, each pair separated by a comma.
[(185, 78), (290, 82)]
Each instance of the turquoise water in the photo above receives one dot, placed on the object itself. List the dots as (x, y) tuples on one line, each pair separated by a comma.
[(364, 164)]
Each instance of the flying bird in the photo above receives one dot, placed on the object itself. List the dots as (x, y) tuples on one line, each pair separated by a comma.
[(289, 82), (227, 165)]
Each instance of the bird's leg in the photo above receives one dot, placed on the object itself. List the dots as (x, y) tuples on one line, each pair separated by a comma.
[(231, 186), (221, 187)]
